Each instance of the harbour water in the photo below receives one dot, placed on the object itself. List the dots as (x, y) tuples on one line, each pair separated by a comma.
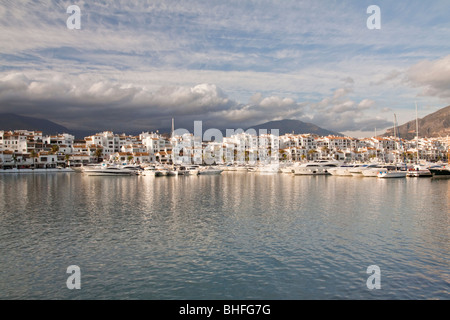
[(230, 236)]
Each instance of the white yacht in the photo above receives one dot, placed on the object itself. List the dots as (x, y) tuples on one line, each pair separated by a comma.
[(374, 171), (320, 167), (107, 170), (136, 169), (343, 170), (161, 171), (358, 171), (172, 171), (191, 170), (396, 172), (392, 174), (419, 171), (289, 168), (148, 171), (268, 168)]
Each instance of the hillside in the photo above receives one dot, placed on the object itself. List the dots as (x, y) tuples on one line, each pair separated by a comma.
[(9, 121), (436, 124)]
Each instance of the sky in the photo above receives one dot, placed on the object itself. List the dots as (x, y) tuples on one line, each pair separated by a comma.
[(135, 65)]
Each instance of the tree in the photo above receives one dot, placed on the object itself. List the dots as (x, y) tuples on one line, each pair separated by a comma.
[(311, 153), (98, 154), (33, 155), (55, 149), (67, 158), (14, 157)]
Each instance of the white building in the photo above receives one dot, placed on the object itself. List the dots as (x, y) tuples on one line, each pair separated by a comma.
[(16, 141), (107, 140), (186, 149)]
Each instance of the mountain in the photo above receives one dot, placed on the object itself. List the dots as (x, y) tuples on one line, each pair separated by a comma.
[(9, 121), (436, 124), (296, 126)]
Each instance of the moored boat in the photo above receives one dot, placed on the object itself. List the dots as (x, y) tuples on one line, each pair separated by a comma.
[(268, 168), (343, 170), (419, 171), (440, 172), (107, 170), (374, 171), (315, 168), (392, 174), (148, 171), (358, 171), (289, 168), (192, 170)]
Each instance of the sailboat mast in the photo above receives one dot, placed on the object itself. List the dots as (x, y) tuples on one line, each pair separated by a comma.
[(395, 129), (417, 123), (395, 137), (417, 135)]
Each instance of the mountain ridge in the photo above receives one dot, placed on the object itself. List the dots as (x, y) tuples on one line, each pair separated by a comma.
[(434, 125), (11, 121)]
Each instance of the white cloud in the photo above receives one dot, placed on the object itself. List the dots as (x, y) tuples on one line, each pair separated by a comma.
[(433, 77), (289, 59)]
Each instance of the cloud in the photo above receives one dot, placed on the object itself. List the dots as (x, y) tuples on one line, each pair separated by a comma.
[(433, 77), (342, 113), (83, 102), (91, 103), (138, 63)]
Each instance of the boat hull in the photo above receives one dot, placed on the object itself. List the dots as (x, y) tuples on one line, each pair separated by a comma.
[(392, 174), (440, 173), (107, 173), (419, 173), (311, 171)]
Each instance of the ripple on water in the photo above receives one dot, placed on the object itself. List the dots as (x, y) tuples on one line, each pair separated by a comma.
[(235, 236)]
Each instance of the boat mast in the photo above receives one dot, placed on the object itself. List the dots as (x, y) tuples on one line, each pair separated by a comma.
[(417, 135), (395, 138)]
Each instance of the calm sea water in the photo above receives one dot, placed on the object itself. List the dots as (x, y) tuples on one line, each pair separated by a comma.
[(234, 236)]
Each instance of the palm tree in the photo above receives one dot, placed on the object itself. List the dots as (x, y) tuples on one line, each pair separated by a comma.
[(33, 155), (67, 158)]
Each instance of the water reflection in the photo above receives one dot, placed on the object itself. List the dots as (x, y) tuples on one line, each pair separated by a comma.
[(234, 236)]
